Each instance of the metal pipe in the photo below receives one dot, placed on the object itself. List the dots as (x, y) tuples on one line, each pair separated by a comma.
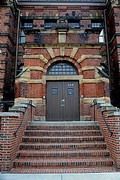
[(107, 43), (17, 38)]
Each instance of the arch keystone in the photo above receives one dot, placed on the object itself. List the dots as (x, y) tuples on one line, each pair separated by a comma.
[(62, 51)]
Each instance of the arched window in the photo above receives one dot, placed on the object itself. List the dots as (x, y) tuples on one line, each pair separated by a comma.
[(62, 68)]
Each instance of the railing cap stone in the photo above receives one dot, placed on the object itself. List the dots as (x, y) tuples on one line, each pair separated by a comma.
[(10, 114)]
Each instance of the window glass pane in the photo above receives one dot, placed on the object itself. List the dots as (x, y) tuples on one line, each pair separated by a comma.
[(62, 68), (74, 23), (27, 24), (70, 91), (54, 91), (49, 23)]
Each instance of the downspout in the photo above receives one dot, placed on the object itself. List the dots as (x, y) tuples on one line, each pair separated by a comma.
[(106, 40), (17, 38)]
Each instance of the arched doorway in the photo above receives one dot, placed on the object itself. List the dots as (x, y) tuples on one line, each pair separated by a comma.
[(62, 95)]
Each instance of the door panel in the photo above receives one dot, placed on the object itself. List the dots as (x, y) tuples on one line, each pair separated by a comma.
[(62, 101)]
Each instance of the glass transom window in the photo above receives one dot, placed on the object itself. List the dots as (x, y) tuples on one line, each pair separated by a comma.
[(62, 68)]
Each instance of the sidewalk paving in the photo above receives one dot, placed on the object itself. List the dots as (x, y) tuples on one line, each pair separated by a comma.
[(78, 176)]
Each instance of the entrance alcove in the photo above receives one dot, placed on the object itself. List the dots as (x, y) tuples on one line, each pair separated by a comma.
[(62, 92)]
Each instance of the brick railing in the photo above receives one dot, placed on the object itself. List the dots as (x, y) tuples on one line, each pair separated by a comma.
[(13, 124), (108, 117)]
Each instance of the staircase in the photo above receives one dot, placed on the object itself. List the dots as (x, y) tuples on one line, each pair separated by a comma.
[(62, 147)]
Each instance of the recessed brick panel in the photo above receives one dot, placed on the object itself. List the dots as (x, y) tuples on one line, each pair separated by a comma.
[(89, 90), (36, 74), (89, 74), (35, 90), (90, 62), (100, 89), (33, 62)]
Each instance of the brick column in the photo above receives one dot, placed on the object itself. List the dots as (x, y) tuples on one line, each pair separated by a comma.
[(112, 118), (13, 125), (9, 143)]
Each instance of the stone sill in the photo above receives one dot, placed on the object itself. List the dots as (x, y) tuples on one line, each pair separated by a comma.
[(117, 113), (9, 114)]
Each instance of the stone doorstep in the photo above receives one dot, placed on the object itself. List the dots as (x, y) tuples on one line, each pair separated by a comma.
[(61, 127), (63, 123)]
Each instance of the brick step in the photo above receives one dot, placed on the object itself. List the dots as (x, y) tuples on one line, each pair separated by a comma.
[(62, 170), (54, 146), (62, 162), (35, 127), (69, 139), (63, 147), (61, 132), (63, 153)]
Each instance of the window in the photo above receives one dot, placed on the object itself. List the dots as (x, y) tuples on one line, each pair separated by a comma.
[(22, 37), (97, 24), (74, 23), (101, 37), (50, 23), (62, 68), (54, 91), (27, 24), (70, 91)]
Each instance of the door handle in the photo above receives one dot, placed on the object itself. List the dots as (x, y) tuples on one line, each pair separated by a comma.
[(62, 102)]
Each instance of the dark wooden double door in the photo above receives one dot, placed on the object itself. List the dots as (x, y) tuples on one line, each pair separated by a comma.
[(62, 101)]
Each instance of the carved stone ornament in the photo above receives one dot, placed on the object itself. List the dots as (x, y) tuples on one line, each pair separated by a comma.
[(115, 2)]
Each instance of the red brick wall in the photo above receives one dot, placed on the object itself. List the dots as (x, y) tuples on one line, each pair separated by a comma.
[(9, 143), (36, 74), (89, 90), (112, 121), (7, 46), (33, 62), (89, 74), (82, 38)]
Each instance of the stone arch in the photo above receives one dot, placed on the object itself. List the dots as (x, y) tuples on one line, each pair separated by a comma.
[(65, 58)]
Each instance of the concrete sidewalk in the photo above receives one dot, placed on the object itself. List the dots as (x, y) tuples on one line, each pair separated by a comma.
[(82, 176)]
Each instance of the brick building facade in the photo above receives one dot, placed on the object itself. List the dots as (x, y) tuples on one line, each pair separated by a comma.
[(61, 55), (46, 33), (70, 33)]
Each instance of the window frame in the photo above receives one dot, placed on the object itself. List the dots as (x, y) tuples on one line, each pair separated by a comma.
[(48, 23)]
